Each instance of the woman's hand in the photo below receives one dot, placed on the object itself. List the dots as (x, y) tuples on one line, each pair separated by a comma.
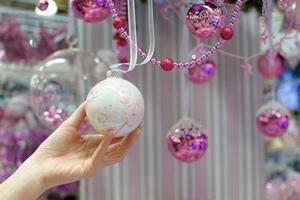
[(66, 156)]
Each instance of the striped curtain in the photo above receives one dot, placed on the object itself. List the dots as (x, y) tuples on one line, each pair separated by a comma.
[(233, 166)]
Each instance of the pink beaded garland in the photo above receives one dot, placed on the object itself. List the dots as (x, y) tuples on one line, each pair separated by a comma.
[(234, 17), (118, 22)]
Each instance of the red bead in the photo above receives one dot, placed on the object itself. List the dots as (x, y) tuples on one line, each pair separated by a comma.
[(117, 36), (123, 60), (167, 64), (122, 42), (118, 22), (226, 33)]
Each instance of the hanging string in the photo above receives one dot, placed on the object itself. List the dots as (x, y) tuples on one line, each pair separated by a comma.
[(267, 19), (71, 39), (186, 94), (133, 35), (185, 84)]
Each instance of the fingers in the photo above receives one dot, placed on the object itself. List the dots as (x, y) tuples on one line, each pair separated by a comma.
[(77, 117), (120, 149), (129, 140), (102, 148)]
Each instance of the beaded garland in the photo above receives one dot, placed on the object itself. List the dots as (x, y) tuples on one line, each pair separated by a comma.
[(168, 64)]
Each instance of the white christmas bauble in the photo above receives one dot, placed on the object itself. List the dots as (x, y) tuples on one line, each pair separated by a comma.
[(115, 104)]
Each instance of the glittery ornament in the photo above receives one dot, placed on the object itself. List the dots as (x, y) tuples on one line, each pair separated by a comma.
[(286, 5), (202, 73), (62, 83), (205, 20), (91, 10), (187, 140), (270, 66), (115, 104), (272, 119)]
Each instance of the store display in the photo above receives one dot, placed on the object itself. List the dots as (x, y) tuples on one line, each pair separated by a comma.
[(272, 119), (63, 80), (187, 140), (19, 47), (115, 104), (20, 132)]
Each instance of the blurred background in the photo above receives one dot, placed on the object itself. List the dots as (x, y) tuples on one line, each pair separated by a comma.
[(50, 59)]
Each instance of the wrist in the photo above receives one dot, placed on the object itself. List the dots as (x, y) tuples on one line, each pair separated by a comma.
[(31, 172), (26, 183)]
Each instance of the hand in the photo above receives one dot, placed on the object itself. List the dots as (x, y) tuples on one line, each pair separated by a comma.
[(66, 156)]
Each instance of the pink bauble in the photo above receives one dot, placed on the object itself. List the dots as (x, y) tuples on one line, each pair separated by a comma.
[(270, 66), (205, 20), (187, 141), (202, 73), (272, 119), (91, 10), (285, 5)]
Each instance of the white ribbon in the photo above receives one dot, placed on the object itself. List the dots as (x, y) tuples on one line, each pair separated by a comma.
[(133, 35)]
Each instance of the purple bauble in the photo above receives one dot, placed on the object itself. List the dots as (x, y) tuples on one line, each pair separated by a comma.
[(270, 66), (187, 141), (205, 20), (91, 10), (272, 119), (202, 73)]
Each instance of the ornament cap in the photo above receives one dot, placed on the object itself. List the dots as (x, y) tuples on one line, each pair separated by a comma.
[(114, 74)]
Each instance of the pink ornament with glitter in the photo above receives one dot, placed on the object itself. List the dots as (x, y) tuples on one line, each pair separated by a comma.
[(205, 20), (202, 73), (272, 119), (187, 140), (91, 10)]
